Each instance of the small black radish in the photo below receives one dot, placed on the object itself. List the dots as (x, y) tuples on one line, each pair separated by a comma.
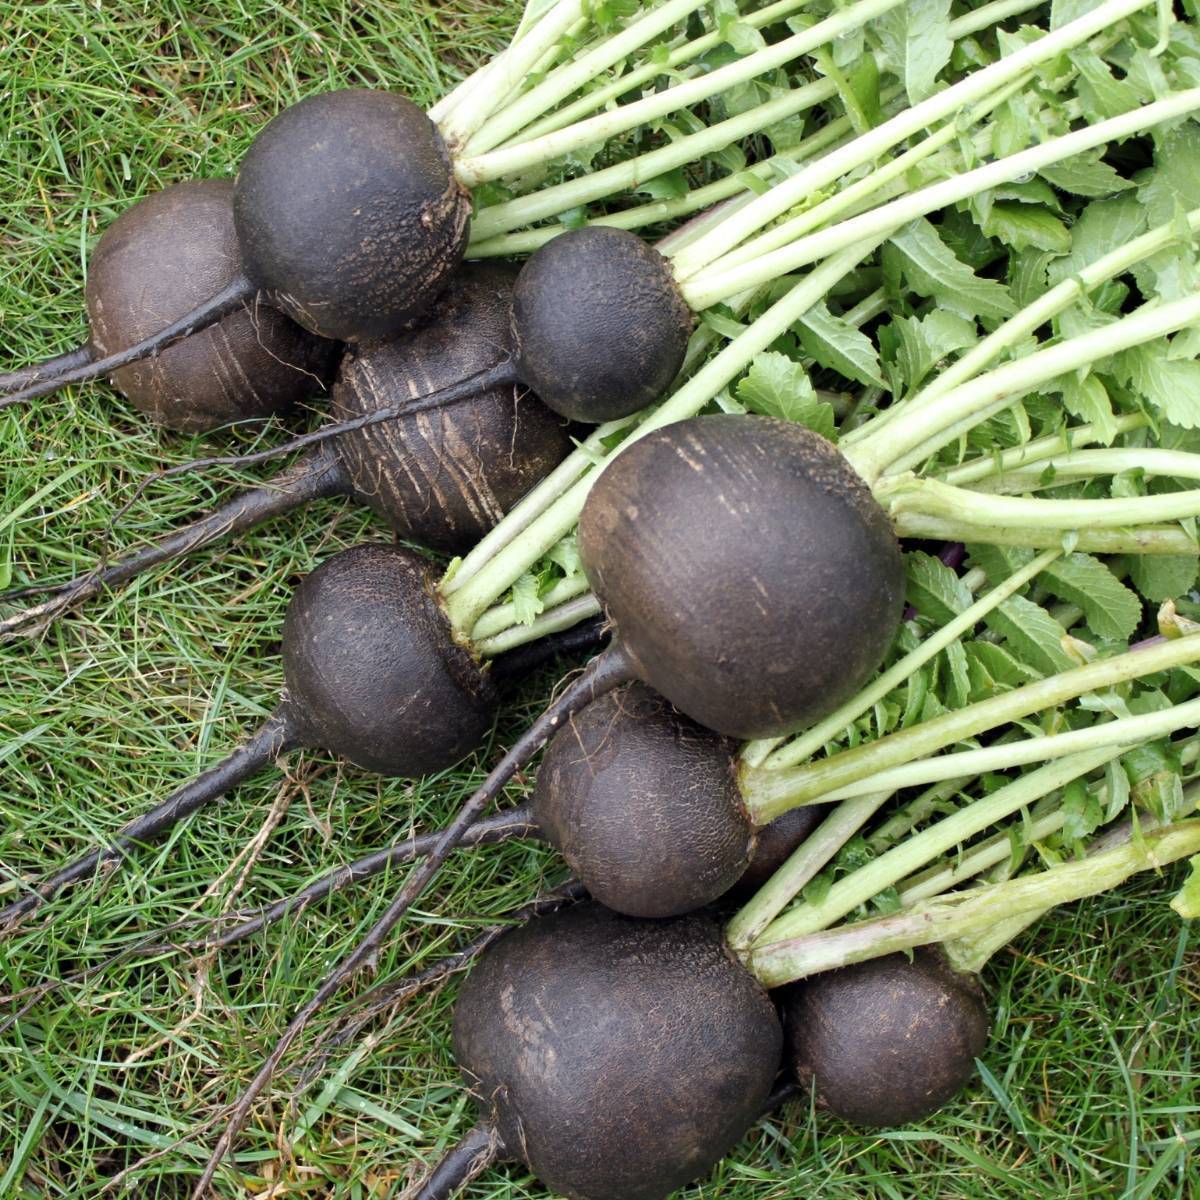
[(158, 260), (349, 219), (441, 479), (618, 1058), (887, 1041), (372, 673), (348, 213), (644, 805)]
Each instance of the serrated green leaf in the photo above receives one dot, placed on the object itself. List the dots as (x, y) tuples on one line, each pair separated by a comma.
[(1012, 127), (959, 682), (997, 562), (1175, 177), (1031, 191), (1027, 276), (1063, 12), (565, 555), (1082, 811), (1170, 386), (1086, 175), (669, 186), (933, 589), (1031, 633), (1000, 666), (933, 271), (1162, 577), (1099, 90), (1027, 228), (836, 344), (527, 604), (1185, 345), (1110, 608), (915, 692), (915, 345), (776, 386), (1101, 227), (1116, 786), (1088, 400), (721, 323), (917, 43)]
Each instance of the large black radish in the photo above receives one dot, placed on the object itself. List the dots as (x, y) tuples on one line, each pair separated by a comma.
[(441, 479), (887, 1041), (152, 266), (619, 1058), (372, 673)]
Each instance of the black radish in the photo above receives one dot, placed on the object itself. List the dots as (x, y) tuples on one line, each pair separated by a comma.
[(599, 327), (887, 1041), (348, 214), (371, 674), (158, 260), (644, 805), (441, 479), (619, 1058)]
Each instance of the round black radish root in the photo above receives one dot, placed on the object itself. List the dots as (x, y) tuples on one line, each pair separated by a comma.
[(888, 1041), (154, 264), (643, 804), (619, 1058), (373, 672), (348, 213), (601, 327), (753, 579), (443, 478)]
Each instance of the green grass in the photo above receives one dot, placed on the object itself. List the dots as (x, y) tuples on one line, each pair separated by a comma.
[(1092, 1090)]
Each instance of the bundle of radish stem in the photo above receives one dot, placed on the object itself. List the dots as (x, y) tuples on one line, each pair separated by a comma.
[(971, 925), (884, 447)]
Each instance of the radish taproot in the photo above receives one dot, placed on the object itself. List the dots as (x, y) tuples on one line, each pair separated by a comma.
[(441, 479), (153, 264)]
